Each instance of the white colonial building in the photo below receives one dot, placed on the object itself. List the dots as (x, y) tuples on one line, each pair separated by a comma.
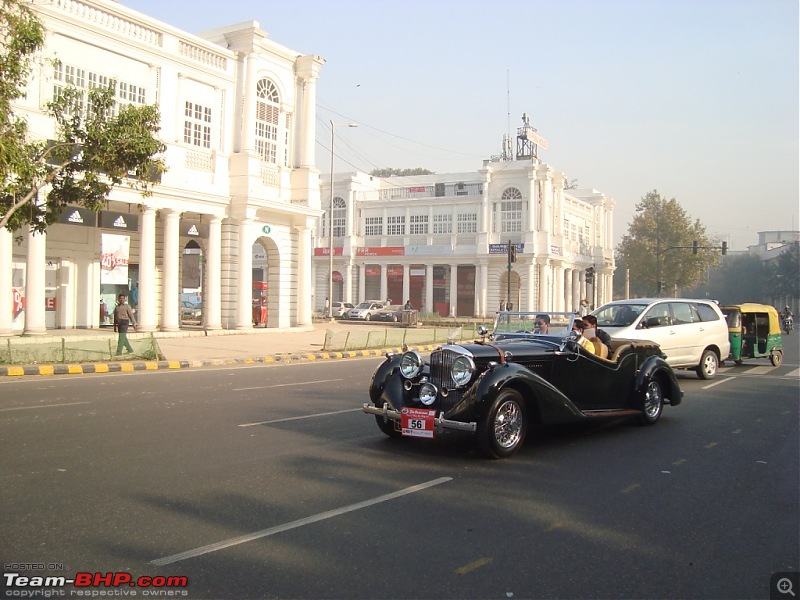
[(230, 221), (441, 241)]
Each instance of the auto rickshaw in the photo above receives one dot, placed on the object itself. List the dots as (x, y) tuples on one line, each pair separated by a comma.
[(754, 331)]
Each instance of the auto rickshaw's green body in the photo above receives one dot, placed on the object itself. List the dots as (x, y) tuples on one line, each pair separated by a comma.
[(754, 331)]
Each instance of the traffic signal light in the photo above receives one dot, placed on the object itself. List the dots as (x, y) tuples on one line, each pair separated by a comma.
[(695, 245), (660, 287), (590, 275), (724, 248)]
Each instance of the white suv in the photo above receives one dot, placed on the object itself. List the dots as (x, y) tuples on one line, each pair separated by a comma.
[(692, 333)]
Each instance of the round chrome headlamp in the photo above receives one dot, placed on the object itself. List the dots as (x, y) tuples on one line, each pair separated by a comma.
[(410, 364), (427, 394), (462, 370)]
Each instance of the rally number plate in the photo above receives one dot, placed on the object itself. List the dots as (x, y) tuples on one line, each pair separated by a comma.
[(417, 422)]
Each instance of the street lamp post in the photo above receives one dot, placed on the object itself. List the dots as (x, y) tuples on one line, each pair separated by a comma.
[(330, 222)]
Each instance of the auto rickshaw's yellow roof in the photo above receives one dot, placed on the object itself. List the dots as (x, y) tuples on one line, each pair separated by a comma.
[(752, 307)]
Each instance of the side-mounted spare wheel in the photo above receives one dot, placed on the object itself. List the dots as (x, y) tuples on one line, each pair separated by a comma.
[(502, 432)]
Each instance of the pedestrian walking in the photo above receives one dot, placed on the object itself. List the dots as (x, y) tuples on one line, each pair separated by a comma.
[(123, 318)]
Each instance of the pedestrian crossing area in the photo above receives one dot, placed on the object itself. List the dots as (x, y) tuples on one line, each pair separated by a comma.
[(745, 369)]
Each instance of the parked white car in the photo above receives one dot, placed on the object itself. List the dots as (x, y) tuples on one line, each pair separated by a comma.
[(339, 309), (692, 333), (366, 310)]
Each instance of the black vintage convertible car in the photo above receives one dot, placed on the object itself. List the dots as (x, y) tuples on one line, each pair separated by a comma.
[(528, 370)]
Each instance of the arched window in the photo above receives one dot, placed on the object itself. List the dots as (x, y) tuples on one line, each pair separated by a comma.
[(268, 111), (511, 211), (339, 217)]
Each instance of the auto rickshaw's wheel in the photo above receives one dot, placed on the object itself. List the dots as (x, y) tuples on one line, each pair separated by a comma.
[(387, 426), (776, 358), (503, 430), (708, 365), (652, 403)]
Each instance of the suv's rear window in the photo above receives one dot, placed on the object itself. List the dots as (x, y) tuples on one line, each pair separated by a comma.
[(707, 313)]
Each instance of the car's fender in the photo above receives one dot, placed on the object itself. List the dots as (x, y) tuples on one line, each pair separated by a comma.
[(655, 367), (551, 405)]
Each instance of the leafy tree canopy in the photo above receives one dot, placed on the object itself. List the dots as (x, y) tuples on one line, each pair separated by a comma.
[(99, 144), (659, 246), (389, 172)]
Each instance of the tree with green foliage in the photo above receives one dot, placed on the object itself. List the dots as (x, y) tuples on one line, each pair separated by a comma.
[(99, 144), (389, 172), (784, 275), (658, 247)]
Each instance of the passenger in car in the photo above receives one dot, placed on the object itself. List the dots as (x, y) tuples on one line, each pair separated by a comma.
[(591, 324), (579, 326)]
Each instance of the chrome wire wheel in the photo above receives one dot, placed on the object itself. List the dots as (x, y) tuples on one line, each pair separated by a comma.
[(653, 403), (508, 424), (502, 431)]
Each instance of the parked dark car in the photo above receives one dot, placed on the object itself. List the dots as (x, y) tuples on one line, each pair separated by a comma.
[(391, 312), (500, 385)]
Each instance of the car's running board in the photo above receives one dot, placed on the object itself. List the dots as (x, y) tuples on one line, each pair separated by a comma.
[(624, 412)]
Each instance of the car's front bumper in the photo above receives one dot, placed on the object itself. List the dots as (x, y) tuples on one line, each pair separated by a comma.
[(439, 423)]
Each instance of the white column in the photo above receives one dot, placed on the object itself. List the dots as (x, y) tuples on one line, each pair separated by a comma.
[(453, 290), (428, 289), (558, 286), (6, 282), (35, 323), (249, 109), (86, 294), (483, 290), (544, 282), (212, 302), (347, 296), (303, 276), (384, 283), (244, 277), (146, 317), (406, 285), (533, 301), (170, 291), (362, 283)]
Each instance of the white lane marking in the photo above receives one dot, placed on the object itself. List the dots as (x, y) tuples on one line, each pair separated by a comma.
[(795, 373), (243, 539), (277, 385), (43, 406), (721, 381), (338, 412)]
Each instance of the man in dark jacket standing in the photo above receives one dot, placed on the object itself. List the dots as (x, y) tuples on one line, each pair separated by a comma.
[(123, 318)]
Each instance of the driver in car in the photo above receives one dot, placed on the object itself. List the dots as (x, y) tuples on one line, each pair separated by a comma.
[(542, 323)]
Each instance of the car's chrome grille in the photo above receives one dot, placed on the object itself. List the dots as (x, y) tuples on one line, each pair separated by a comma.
[(440, 376)]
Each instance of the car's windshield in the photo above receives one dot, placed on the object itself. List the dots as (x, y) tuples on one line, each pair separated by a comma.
[(618, 315), (364, 305), (540, 323)]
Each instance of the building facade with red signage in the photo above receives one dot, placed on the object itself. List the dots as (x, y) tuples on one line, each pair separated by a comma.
[(231, 221), (442, 241)]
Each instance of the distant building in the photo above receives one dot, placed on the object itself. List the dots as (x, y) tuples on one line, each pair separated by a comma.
[(442, 240)]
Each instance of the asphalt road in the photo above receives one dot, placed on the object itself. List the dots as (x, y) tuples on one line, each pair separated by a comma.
[(269, 482)]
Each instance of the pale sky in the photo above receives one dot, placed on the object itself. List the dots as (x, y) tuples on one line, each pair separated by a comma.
[(697, 99)]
